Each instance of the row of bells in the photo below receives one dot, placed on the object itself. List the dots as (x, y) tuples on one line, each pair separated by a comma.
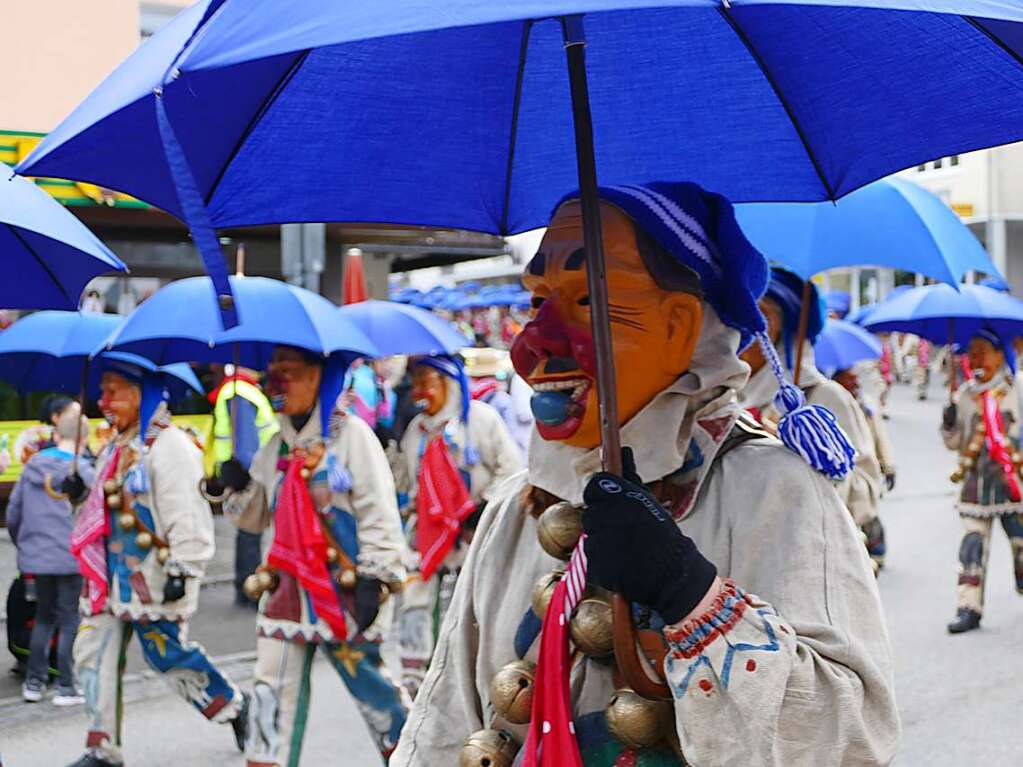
[(635, 721), (265, 579), (969, 459), (127, 520)]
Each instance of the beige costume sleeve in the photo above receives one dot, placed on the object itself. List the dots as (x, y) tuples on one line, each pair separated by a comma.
[(882, 442), (497, 449), (800, 674), (185, 519), (373, 503), (249, 509), (955, 437), (861, 489)]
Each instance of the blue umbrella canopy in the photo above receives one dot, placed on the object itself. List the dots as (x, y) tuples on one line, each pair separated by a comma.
[(178, 377), (891, 223), (47, 254), (399, 329), (180, 323), (194, 120), (837, 301), (940, 313), (861, 315), (842, 344)]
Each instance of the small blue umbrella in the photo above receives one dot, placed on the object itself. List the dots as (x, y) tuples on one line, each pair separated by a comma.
[(891, 223), (395, 328), (861, 315), (47, 351), (838, 301), (996, 283), (180, 323), (940, 313), (46, 254), (179, 377), (842, 344)]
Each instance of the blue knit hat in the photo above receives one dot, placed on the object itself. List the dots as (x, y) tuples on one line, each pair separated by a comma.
[(994, 338), (452, 367), (786, 289)]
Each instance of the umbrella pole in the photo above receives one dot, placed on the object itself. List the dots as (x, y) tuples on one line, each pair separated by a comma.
[(625, 638), (804, 322), (952, 373), (81, 415)]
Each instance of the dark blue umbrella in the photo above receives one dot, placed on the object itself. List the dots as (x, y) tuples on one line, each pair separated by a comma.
[(837, 301), (891, 223), (46, 254), (996, 283), (942, 314), (47, 351), (399, 329), (861, 315), (842, 344), (180, 323)]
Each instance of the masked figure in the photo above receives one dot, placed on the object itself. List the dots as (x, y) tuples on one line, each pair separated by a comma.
[(983, 426), (142, 538), (861, 488), (323, 483), (453, 456), (727, 544)]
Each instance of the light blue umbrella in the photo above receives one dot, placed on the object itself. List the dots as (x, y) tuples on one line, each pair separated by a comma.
[(861, 315), (842, 344), (395, 328), (838, 301), (891, 223), (46, 254)]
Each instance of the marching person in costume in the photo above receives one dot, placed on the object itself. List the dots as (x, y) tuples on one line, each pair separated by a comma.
[(861, 488), (748, 581), (142, 539), (323, 483), (455, 453), (983, 426)]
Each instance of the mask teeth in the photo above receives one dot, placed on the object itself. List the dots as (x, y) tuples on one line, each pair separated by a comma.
[(277, 402)]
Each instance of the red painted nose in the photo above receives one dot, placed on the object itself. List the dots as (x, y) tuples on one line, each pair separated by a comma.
[(544, 336)]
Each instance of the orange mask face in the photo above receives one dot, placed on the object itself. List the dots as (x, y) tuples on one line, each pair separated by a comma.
[(654, 331), (985, 359), (120, 401), (293, 382), (429, 389)]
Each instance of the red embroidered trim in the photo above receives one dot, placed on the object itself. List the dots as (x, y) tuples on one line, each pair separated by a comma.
[(725, 612)]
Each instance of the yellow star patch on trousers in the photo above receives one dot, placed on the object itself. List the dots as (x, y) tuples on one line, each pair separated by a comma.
[(157, 639), (349, 657)]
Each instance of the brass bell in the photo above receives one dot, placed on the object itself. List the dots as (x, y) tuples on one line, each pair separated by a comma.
[(511, 691), (126, 521), (331, 554), (969, 463), (488, 748), (267, 580), (304, 472), (143, 540), (559, 528), (347, 579), (109, 487), (592, 628), (163, 554), (543, 590), (252, 587), (636, 721), (114, 501), (957, 475)]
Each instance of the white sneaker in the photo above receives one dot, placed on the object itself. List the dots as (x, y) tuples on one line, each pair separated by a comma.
[(33, 690), (68, 697)]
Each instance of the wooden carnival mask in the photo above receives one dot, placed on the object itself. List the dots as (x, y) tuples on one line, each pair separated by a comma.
[(293, 381), (985, 359), (654, 329), (120, 401), (429, 389)]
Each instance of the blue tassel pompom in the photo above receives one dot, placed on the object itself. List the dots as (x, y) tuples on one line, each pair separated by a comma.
[(338, 476), (136, 481), (471, 455)]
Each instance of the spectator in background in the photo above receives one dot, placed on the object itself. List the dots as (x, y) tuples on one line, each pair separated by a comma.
[(489, 371), (39, 521), (368, 394), (93, 302)]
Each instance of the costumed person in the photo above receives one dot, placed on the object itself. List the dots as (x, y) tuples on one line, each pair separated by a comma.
[(142, 538), (489, 372), (922, 374), (728, 545), (324, 485), (453, 456), (243, 422), (983, 425), (860, 490)]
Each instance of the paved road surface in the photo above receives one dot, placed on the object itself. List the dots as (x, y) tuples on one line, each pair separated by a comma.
[(959, 696)]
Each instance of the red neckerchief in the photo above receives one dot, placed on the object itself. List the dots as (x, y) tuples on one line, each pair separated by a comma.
[(442, 504), (996, 443), (482, 388), (91, 527)]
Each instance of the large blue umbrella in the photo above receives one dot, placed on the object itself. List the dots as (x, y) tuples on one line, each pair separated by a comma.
[(940, 313), (180, 323), (399, 329), (892, 223), (47, 351), (842, 344), (46, 254)]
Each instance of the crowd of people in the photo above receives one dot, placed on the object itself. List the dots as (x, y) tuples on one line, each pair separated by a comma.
[(743, 528)]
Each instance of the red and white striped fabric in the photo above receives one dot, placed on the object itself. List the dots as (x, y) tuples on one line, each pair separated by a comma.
[(551, 741)]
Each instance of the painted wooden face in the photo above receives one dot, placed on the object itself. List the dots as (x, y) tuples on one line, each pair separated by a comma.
[(654, 331), (119, 401), (753, 355), (293, 382), (429, 389), (985, 359)]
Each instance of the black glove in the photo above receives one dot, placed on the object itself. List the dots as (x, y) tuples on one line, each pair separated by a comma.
[(174, 588), (889, 480), (234, 474), (949, 416), (367, 602), (73, 486), (635, 548)]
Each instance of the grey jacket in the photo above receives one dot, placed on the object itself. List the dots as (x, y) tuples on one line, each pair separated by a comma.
[(39, 519)]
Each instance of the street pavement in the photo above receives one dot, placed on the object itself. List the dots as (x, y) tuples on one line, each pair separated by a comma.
[(957, 695)]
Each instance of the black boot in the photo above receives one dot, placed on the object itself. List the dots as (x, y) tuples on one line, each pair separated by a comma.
[(240, 724), (966, 620), (88, 760)]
